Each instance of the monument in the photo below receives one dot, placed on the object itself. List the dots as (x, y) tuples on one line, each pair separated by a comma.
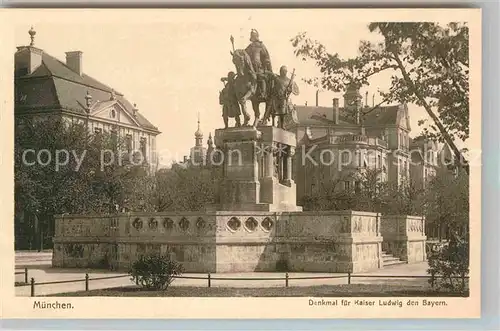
[(257, 226)]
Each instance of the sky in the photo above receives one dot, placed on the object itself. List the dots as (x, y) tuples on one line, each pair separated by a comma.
[(170, 65)]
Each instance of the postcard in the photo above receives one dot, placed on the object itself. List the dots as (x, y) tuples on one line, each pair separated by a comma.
[(241, 163)]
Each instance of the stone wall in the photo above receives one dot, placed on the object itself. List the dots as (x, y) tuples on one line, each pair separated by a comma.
[(334, 241), (224, 241), (404, 237), (116, 241)]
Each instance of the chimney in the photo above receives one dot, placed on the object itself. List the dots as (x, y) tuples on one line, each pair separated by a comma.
[(74, 61), (336, 110), (28, 58), (135, 110)]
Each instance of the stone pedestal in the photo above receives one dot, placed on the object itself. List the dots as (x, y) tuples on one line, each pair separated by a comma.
[(239, 148), (404, 237), (257, 169)]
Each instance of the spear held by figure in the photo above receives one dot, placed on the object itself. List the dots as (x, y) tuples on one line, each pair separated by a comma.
[(232, 41), (289, 88)]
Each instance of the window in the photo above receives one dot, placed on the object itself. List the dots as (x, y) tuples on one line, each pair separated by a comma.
[(114, 137), (345, 157), (97, 130), (347, 185), (128, 143), (143, 148), (379, 161), (357, 186)]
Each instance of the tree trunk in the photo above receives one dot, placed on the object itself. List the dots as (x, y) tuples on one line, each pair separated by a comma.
[(442, 130)]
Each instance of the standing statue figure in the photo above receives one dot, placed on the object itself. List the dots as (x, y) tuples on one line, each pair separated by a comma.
[(229, 100), (280, 104), (261, 61)]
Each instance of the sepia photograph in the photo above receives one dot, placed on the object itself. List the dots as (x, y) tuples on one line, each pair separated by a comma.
[(323, 155)]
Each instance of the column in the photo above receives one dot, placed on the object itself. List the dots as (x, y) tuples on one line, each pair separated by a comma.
[(288, 165), (269, 160)]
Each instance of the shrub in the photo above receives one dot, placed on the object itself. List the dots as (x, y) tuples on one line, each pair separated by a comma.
[(154, 271), (449, 266)]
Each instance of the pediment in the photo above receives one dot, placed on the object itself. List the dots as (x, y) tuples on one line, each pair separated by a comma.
[(113, 111)]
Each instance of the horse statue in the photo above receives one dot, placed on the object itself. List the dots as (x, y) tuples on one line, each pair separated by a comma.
[(245, 85)]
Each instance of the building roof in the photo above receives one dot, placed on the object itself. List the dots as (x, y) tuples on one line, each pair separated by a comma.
[(379, 116), (60, 88)]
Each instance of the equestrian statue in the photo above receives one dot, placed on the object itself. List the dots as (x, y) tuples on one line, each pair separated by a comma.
[(255, 81)]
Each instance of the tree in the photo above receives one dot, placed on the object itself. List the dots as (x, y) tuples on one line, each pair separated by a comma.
[(83, 181), (371, 195), (428, 64), (402, 199), (446, 201), (186, 189), (449, 266), (331, 195)]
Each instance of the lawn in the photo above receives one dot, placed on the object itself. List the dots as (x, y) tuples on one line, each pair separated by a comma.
[(353, 290)]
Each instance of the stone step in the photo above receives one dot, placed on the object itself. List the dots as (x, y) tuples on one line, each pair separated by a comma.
[(392, 263), (390, 259)]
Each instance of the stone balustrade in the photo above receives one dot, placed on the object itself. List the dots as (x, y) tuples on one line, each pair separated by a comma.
[(225, 241)]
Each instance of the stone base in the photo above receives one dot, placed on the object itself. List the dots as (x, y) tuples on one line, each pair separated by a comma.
[(410, 250), (224, 241)]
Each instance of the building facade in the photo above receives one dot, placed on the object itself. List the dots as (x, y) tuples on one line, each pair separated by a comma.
[(346, 141), (425, 161), (46, 86)]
